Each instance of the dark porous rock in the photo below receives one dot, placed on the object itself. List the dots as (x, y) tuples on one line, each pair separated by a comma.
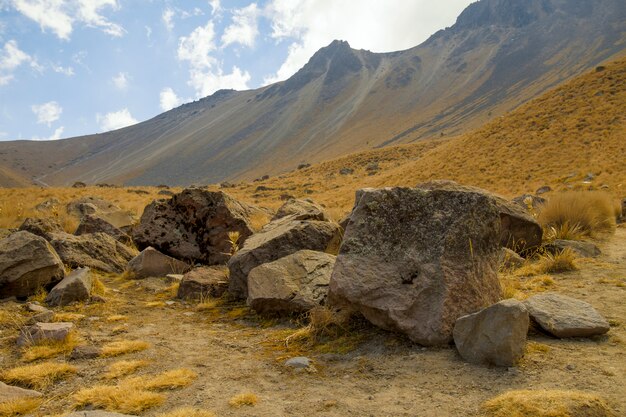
[(415, 260), (277, 239), (9, 393), (39, 332), (519, 231), (203, 282), (510, 260), (303, 166), (194, 225), (101, 208), (85, 352), (152, 263), (305, 209), (293, 284), (529, 201), (94, 224), (79, 184), (41, 227), (581, 249), (227, 184), (27, 263), (564, 316), (96, 250), (74, 287), (495, 335)]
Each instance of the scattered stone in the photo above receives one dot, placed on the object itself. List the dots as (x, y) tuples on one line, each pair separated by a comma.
[(262, 188), (94, 224), (582, 249), (543, 190), (495, 335), (43, 317), (299, 362), (589, 177), (48, 204), (41, 227), (35, 308), (174, 278), (74, 287), (139, 192), (85, 352), (96, 250), (101, 208), (303, 166), (519, 231), (373, 166), (510, 260), (44, 331), (528, 200), (295, 283), (346, 171), (152, 263), (79, 184), (564, 316), (203, 282), (194, 225), (10, 393), (27, 263), (170, 302), (97, 413), (415, 260), (305, 209), (277, 239), (227, 184), (165, 192), (97, 299)]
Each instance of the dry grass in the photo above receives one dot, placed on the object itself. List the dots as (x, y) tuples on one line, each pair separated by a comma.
[(520, 287), (575, 214), (176, 378), (120, 398), (50, 348), (68, 316), (122, 347), (154, 304), (10, 320), (19, 407), (546, 403), (38, 376), (323, 322), (97, 287), (258, 220), (549, 263), (39, 296), (244, 399), (116, 317), (123, 368), (187, 412)]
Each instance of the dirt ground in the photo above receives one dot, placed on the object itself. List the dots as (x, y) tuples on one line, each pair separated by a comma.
[(373, 373)]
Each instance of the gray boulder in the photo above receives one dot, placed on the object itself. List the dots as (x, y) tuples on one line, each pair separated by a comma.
[(564, 316), (96, 250), (11, 393), (276, 240), (582, 249), (302, 210), (203, 282), (74, 287), (293, 284), (495, 335), (152, 263), (42, 227), (39, 332), (415, 260), (94, 224), (101, 208), (519, 231), (194, 225), (27, 262), (510, 260)]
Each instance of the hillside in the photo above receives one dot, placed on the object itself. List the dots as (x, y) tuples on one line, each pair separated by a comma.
[(499, 54)]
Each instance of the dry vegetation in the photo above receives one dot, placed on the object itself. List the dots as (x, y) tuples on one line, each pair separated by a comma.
[(122, 347), (38, 376)]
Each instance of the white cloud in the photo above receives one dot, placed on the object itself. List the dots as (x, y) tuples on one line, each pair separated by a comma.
[(215, 6), (244, 28), (207, 82), (47, 112), (148, 31), (59, 16), (69, 71), (120, 81), (167, 17), (381, 26), (11, 57), (196, 47), (58, 132), (168, 99), (115, 120)]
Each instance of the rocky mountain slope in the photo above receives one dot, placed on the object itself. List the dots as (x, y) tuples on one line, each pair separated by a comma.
[(498, 55)]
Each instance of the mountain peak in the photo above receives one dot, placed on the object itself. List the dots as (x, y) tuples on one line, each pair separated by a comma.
[(511, 13)]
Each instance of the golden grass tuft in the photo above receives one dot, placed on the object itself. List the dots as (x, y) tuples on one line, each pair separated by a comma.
[(548, 263), (546, 403), (116, 317), (38, 376), (123, 368), (153, 304), (121, 398), (122, 347), (97, 287), (11, 320), (39, 296), (187, 412), (576, 214), (50, 348), (323, 322), (258, 220), (66, 316), (176, 378), (245, 399), (19, 407)]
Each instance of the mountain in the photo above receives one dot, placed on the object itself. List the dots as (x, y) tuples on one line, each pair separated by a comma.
[(498, 55)]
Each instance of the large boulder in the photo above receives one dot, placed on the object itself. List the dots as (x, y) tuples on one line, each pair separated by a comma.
[(519, 231), (94, 224), (101, 208), (203, 282), (27, 262), (564, 316), (495, 335), (415, 260), (74, 287), (152, 263), (96, 250), (45, 227), (194, 225), (278, 239), (293, 284), (44, 332), (302, 210)]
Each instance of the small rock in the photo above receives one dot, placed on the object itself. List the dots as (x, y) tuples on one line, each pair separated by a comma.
[(43, 317), (48, 204), (346, 171), (75, 287), (35, 308), (85, 352), (79, 184), (95, 299), (582, 249), (170, 302), (165, 192), (564, 316), (298, 362), (174, 278), (302, 210), (203, 282), (152, 263), (570, 367), (44, 331), (543, 190), (11, 393), (510, 259), (94, 224), (41, 227)]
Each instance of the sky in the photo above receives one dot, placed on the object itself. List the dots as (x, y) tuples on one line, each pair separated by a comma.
[(77, 67)]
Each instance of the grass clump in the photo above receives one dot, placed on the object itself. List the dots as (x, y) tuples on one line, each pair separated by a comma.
[(323, 323), (123, 368), (120, 398), (578, 214), (65, 317), (548, 263), (19, 407), (116, 317), (122, 347), (176, 378), (245, 399), (50, 348), (187, 412), (97, 287), (38, 376), (546, 403)]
